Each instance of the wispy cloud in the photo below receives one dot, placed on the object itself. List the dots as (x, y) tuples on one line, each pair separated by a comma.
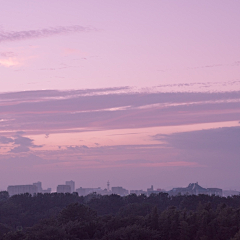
[(7, 54), (109, 156), (45, 32), (9, 62), (8, 59)]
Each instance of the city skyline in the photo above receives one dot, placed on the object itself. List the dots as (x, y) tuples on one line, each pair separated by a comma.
[(108, 187), (69, 187), (135, 92)]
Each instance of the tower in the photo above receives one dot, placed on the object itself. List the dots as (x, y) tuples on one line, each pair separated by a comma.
[(108, 185), (72, 185)]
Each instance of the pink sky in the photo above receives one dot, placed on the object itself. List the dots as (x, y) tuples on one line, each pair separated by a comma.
[(125, 91)]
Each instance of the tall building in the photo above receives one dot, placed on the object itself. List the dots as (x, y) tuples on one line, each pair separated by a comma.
[(20, 189), (63, 189), (72, 185), (39, 186)]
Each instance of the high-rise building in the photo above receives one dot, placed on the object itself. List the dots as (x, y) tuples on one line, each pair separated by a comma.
[(63, 189), (72, 185), (20, 189), (39, 186)]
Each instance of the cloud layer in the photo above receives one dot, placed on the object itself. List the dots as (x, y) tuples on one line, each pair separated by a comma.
[(225, 140), (117, 108), (45, 32)]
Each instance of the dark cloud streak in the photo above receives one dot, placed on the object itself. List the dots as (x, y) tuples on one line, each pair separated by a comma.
[(45, 32)]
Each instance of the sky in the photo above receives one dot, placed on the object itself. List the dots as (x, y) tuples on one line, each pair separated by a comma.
[(136, 92)]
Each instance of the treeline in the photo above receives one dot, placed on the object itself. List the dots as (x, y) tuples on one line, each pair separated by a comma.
[(70, 217)]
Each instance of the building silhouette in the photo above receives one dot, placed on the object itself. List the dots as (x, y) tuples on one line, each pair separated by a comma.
[(63, 189), (21, 189), (138, 192), (72, 185), (230, 193), (120, 191), (39, 186), (48, 190), (195, 189)]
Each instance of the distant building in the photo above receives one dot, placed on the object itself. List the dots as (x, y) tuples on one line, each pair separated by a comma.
[(72, 185), (138, 192), (229, 193), (63, 189), (20, 189), (152, 191), (105, 192), (214, 191), (85, 191), (195, 189), (81, 191), (39, 186), (48, 190), (120, 191)]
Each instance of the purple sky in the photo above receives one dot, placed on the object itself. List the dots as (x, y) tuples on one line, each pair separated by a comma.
[(134, 92)]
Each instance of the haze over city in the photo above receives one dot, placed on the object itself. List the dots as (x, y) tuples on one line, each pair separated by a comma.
[(139, 93)]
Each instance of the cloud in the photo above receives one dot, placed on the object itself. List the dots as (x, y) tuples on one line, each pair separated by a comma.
[(77, 148), (7, 54), (216, 150), (23, 144), (9, 62), (56, 94), (8, 59), (20, 149), (54, 111), (225, 140), (20, 133), (45, 32), (6, 140), (19, 143)]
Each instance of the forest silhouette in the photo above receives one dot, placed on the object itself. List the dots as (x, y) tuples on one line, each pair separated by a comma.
[(112, 217)]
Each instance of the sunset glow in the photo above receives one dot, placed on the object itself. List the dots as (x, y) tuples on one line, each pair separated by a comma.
[(135, 92)]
